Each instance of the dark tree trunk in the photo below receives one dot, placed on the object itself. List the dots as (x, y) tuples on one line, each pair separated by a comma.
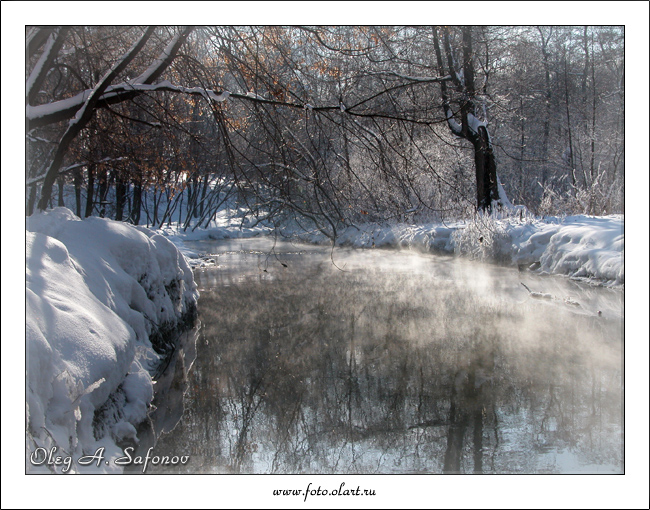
[(31, 203), (570, 158), (487, 190), (137, 203), (120, 198), (60, 183), (487, 187), (91, 190), (156, 199), (203, 192), (180, 209), (78, 178), (128, 200), (522, 150), (103, 191)]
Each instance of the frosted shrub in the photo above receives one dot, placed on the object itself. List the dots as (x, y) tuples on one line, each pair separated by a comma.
[(483, 238), (596, 200), (557, 204)]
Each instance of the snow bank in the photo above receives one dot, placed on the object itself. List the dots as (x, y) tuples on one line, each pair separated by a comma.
[(578, 246), (428, 237), (585, 247), (104, 300)]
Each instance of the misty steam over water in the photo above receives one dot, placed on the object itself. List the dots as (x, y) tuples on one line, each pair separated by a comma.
[(381, 361)]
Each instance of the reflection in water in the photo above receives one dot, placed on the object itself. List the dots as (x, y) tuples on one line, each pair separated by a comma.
[(400, 364)]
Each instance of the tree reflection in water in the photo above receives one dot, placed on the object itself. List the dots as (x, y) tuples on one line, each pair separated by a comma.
[(393, 369)]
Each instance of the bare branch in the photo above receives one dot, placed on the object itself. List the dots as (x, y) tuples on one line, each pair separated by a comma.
[(44, 64), (84, 114)]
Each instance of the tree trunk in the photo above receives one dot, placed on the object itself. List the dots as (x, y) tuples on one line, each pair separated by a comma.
[(120, 196), (78, 180), (60, 183), (137, 202), (487, 187), (548, 94), (571, 159), (103, 191), (156, 199), (522, 150), (487, 190), (32, 200), (204, 189), (91, 190)]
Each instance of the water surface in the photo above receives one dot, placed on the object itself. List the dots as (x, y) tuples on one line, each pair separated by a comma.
[(377, 361)]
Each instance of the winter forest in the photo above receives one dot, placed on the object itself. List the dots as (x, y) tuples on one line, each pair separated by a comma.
[(326, 249), (327, 126)]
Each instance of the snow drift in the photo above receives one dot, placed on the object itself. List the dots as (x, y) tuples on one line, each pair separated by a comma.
[(104, 302), (585, 247)]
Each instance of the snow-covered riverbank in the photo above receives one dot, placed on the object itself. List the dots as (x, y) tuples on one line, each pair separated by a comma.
[(100, 295), (585, 247)]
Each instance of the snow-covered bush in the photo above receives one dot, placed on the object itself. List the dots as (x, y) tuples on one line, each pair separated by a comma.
[(104, 303), (483, 238)]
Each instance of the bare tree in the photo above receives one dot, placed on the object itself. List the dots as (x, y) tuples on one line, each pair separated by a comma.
[(81, 107), (328, 126)]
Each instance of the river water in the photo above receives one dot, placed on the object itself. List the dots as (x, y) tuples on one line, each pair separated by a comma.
[(347, 361)]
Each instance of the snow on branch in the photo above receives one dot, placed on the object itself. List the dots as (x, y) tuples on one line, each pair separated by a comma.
[(44, 64), (163, 61), (453, 125), (42, 115), (210, 95), (474, 124), (38, 68), (103, 84), (420, 79), (40, 139)]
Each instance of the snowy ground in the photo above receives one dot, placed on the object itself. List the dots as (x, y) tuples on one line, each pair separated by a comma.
[(98, 292), (585, 247)]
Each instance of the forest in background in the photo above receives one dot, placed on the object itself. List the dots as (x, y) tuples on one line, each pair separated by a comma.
[(330, 126)]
